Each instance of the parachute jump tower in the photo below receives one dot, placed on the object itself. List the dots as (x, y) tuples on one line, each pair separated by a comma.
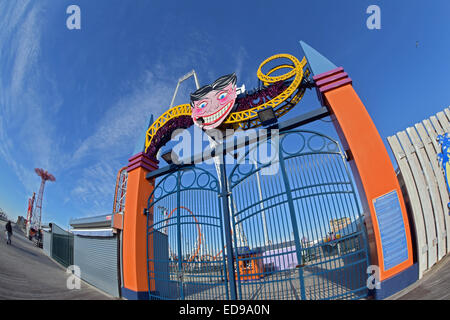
[(45, 176)]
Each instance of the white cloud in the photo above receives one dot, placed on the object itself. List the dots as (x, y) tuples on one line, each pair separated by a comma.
[(27, 132), (107, 150)]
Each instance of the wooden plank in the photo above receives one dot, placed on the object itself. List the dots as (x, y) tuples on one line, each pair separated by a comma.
[(437, 125), (433, 191), (433, 134), (447, 112), (430, 227), (418, 225), (443, 121), (439, 130), (439, 175)]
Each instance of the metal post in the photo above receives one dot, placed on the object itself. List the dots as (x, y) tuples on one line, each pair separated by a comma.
[(263, 215), (180, 253), (226, 219), (294, 222)]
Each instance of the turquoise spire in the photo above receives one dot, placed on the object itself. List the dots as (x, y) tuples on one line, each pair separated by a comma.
[(140, 144), (317, 62)]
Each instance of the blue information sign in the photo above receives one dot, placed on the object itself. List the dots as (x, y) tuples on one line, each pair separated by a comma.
[(392, 229)]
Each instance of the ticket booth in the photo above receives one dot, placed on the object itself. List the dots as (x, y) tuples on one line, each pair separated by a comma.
[(250, 264)]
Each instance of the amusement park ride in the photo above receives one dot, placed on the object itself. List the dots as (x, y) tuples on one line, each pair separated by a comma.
[(34, 214)]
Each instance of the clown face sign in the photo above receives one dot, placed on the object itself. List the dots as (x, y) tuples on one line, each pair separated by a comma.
[(211, 104)]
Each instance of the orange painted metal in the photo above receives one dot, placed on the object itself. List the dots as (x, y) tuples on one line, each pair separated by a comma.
[(250, 269), (117, 221), (135, 225), (116, 190), (369, 159)]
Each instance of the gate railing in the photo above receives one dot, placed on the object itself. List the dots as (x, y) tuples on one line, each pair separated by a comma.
[(299, 213), (185, 251)]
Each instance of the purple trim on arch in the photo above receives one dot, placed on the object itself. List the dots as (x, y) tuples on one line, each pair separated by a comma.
[(336, 85), (141, 160), (332, 79), (328, 73), (338, 76)]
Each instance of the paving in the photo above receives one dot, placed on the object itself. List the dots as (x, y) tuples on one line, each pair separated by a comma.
[(434, 285), (27, 273)]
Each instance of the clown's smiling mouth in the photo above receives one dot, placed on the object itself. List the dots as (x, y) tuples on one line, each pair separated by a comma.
[(206, 120)]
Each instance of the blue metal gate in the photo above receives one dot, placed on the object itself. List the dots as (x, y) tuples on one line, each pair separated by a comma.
[(185, 245), (298, 228)]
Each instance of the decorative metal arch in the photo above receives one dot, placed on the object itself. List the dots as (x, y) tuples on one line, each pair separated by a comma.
[(281, 93)]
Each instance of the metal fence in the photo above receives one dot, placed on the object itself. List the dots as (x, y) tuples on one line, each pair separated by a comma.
[(296, 227), (62, 248)]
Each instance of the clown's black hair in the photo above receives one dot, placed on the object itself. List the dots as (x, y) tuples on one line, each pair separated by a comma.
[(219, 84)]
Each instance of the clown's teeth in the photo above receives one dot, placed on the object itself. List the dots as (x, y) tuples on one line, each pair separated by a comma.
[(217, 115)]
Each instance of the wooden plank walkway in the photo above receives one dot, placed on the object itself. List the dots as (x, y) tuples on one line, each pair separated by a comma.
[(435, 284)]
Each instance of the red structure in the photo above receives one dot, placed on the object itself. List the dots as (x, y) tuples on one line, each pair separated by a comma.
[(120, 191), (45, 176), (30, 213)]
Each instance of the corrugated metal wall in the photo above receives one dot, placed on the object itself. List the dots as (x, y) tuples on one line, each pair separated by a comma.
[(97, 258), (47, 246)]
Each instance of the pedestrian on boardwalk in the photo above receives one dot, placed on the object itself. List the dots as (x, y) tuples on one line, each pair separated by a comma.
[(8, 232)]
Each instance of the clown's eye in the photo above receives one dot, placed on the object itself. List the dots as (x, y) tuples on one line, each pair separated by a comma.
[(201, 105), (222, 95)]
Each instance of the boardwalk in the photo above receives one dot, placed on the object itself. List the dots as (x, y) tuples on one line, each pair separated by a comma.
[(27, 273), (435, 284)]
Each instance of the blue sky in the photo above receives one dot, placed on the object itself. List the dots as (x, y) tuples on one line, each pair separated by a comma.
[(76, 101)]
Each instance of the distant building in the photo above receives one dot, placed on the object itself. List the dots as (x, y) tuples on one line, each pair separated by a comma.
[(338, 224), (21, 222), (3, 215)]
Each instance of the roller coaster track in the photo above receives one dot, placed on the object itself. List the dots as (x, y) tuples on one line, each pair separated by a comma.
[(248, 118)]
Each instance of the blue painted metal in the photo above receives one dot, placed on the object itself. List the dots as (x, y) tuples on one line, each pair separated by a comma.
[(180, 250), (226, 218), (396, 283), (185, 256), (294, 223), (318, 63), (295, 232), (443, 158), (300, 205)]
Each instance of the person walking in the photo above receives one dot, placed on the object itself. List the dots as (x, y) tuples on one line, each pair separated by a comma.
[(8, 232)]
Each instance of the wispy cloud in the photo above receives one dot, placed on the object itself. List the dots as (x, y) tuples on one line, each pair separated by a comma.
[(104, 152), (21, 115)]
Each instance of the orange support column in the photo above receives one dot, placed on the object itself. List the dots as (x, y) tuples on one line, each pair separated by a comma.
[(386, 217), (134, 250)]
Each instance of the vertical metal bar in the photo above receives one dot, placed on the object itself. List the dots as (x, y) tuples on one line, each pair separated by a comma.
[(226, 219), (223, 248), (147, 258), (293, 221), (180, 253)]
